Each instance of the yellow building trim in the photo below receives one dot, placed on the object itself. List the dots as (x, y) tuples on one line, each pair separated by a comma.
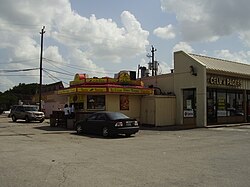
[(92, 89), (66, 91)]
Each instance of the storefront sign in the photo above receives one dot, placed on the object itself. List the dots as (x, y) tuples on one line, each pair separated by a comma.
[(131, 90), (96, 80), (225, 81), (123, 79), (89, 89), (188, 113)]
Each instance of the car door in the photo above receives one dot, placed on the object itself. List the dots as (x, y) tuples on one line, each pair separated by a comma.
[(99, 123), (18, 112), (90, 123)]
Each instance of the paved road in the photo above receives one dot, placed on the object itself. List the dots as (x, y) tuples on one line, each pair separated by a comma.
[(33, 154)]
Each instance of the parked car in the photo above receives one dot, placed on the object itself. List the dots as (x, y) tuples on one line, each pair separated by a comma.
[(27, 113), (6, 113), (108, 124)]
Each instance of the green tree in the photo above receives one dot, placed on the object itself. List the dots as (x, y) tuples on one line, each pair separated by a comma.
[(23, 92)]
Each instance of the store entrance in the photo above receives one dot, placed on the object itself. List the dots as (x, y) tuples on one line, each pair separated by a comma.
[(189, 107), (211, 107)]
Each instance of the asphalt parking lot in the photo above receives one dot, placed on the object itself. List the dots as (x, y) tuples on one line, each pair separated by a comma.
[(34, 154)]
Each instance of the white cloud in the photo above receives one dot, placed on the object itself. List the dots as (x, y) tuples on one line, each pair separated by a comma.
[(165, 32), (245, 37), (81, 40), (164, 68), (241, 56), (82, 59), (52, 52), (207, 20), (183, 46), (102, 36)]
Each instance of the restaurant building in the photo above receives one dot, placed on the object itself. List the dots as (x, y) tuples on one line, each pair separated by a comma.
[(123, 93), (208, 91)]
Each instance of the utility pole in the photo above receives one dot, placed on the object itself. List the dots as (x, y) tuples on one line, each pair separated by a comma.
[(153, 60), (41, 69)]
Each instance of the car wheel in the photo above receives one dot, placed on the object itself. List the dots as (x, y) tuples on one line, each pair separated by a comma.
[(78, 129), (105, 132), (13, 118), (41, 120), (27, 119), (128, 135)]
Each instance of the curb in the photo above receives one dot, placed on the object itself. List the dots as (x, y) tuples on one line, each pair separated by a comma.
[(228, 125)]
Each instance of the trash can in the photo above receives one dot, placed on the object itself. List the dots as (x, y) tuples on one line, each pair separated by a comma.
[(52, 121)]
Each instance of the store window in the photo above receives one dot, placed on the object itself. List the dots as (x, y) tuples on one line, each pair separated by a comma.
[(221, 104), (239, 104), (77, 101), (96, 102), (189, 105), (211, 106), (230, 104)]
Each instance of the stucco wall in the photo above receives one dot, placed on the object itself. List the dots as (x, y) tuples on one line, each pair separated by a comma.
[(113, 104), (158, 110), (55, 102), (165, 82), (183, 79)]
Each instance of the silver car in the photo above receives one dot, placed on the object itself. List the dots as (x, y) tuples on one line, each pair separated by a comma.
[(27, 113)]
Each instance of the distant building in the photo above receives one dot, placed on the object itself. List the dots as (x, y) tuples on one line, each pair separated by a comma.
[(51, 101)]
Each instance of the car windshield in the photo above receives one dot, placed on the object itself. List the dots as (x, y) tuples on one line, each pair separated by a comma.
[(30, 108), (117, 115)]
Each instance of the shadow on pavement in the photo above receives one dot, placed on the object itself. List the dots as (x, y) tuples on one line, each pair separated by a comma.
[(91, 135), (49, 128), (167, 128)]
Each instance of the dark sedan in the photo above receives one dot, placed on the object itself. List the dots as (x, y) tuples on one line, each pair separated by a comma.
[(108, 124)]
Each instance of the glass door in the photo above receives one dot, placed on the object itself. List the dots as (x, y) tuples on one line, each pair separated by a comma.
[(211, 107)]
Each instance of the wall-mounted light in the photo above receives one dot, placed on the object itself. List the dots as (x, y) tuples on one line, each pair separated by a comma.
[(193, 71)]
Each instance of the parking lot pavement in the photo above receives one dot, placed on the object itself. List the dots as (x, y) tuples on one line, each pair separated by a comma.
[(34, 154)]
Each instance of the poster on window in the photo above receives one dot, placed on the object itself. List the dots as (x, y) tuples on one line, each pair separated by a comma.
[(124, 102), (189, 104), (188, 113)]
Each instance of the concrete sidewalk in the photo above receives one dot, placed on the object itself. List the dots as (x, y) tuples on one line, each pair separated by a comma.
[(187, 127)]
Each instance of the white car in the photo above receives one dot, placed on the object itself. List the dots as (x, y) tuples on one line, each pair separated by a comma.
[(6, 113)]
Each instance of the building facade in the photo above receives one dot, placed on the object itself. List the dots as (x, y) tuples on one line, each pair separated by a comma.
[(208, 91)]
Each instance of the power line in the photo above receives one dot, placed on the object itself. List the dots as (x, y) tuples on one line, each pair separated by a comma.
[(4, 75), (79, 67), (47, 60), (18, 70), (50, 76), (58, 72), (53, 77)]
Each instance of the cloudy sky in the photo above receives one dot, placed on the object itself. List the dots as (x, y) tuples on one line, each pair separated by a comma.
[(100, 38)]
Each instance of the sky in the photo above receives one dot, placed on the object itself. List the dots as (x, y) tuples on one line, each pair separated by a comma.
[(101, 38)]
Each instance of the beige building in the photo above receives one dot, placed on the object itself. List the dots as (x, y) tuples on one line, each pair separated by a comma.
[(206, 91)]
